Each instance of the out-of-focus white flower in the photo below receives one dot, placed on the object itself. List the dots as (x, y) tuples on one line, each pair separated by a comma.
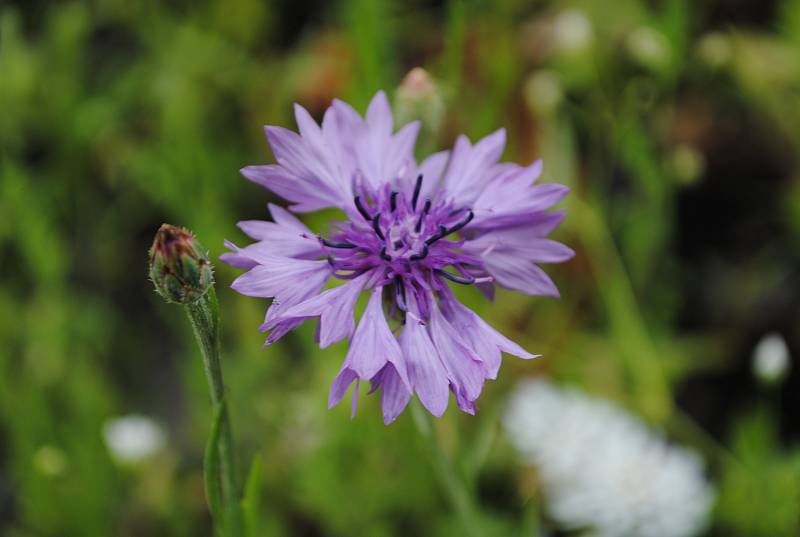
[(604, 470), (133, 438), (649, 47), (542, 92), (572, 30), (771, 358)]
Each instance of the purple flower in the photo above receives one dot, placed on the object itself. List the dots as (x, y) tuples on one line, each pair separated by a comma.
[(410, 231)]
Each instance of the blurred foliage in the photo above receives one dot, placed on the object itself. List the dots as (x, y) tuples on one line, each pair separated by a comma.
[(676, 123)]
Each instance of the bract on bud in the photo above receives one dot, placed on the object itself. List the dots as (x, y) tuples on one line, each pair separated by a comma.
[(179, 266)]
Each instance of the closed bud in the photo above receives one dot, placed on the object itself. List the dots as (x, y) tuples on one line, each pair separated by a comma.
[(179, 267), (419, 97)]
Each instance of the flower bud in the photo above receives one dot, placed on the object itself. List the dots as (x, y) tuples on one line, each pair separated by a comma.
[(419, 97), (179, 267)]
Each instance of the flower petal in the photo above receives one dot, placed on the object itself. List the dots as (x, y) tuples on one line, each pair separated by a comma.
[(486, 342), (339, 386), (379, 114), (305, 195), (425, 369), (395, 393), (334, 307), (373, 344), (278, 239), (466, 175), (463, 365), (278, 277), (519, 242), (521, 275)]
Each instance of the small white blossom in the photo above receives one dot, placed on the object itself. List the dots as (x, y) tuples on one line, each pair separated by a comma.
[(572, 30), (649, 47), (771, 358), (133, 438), (543, 92), (605, 471)]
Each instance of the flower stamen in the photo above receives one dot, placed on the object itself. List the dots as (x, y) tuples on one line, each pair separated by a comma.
[(344, 245), (361, 208), (417, 188), (376, 225), (436, 236), (463, 280), (464, 222), (422, 215), (400, 294), (422, 255)]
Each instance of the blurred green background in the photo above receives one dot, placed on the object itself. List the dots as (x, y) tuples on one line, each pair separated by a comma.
[(675, 123)]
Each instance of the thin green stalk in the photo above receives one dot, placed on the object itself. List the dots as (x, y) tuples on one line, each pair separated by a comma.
[(454, 486), (204, 316)]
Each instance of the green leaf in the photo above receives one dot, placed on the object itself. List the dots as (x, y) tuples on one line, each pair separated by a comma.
[(213, 483), (252, 496)]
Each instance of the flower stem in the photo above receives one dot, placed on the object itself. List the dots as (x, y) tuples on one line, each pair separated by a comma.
[(454, 486), (204, 316)]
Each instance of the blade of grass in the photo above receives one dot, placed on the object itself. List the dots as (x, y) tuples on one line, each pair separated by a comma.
[(252, 497), (213, 483)]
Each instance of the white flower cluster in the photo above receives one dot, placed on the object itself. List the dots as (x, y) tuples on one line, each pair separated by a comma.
[(605, 471)]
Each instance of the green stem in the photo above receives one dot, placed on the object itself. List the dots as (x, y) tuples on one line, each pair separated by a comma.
[(453, 484), (204, 316)]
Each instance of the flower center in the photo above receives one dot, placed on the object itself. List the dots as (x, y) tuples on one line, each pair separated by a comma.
[(400, 234)]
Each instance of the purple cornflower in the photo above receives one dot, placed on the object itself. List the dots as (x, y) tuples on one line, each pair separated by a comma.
[(410, 231)]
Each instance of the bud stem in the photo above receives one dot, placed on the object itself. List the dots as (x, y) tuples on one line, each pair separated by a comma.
[(204, 316), (457, 491)]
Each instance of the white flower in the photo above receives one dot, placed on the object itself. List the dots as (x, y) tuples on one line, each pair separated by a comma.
[(572, 30), (133, 438), (771, 358), (649, 47), (603, 469)]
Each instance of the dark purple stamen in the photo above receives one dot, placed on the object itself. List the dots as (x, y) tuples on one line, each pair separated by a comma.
[(438, 235), (330, 244), (376, 225), (464, 222), (393, 201), (422, 255), (417, 188), (361, 208), (463, 280), (384, 255), (398, 244), (400, 294), (422, 215)]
